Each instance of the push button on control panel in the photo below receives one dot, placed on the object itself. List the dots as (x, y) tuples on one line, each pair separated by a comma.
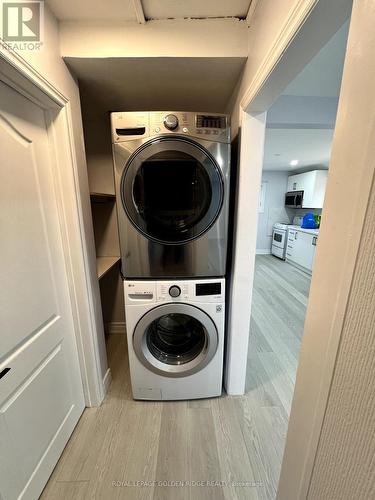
[(174, 291)]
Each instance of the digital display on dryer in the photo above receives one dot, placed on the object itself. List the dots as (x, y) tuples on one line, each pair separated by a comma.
[(207, 289)]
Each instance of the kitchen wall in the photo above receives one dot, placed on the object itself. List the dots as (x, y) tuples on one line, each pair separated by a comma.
[(274, 210), (300, 212)]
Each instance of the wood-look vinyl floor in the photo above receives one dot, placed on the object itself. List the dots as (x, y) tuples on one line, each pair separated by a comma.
[(118, 447)]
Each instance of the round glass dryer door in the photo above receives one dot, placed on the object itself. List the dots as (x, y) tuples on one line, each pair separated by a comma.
[(175, 340), (172, 190)]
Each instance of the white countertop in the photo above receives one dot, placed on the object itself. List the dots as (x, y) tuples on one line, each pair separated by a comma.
[(299, 228)]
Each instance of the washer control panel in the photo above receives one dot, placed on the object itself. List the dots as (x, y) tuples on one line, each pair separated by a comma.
[(168, 291), (141, 292), (206, 290)]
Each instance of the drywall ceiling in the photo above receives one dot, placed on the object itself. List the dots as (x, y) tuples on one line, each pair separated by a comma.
[(322, 76), (300, 123), (312, 147), (159, 83), (177, 9), (93, 10), (124, 10)]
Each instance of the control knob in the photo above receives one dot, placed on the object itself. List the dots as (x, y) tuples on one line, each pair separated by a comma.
[(174, 291), (171, 122)]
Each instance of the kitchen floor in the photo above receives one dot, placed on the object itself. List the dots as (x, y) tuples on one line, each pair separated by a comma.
[(235, 443)]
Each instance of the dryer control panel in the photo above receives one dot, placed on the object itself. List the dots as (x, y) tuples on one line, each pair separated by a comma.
[(128, 126)]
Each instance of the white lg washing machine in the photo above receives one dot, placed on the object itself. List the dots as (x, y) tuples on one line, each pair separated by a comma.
[(175, 333)]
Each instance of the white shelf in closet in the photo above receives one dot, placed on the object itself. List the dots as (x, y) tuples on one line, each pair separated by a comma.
[(104, 264), (102, 197)]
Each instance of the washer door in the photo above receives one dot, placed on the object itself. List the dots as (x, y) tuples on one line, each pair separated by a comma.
[(172, 190), (175, 340)]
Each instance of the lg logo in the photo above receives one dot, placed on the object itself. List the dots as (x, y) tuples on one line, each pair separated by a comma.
[(22, 22)]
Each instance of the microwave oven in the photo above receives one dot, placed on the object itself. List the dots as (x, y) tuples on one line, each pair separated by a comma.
[(294, 199)]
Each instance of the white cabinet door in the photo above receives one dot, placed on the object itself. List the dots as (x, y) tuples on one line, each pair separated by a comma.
[(300, 249), (313, 185), (319, 191), (41, 396), (309, 189), (314, 242), (296, 182)]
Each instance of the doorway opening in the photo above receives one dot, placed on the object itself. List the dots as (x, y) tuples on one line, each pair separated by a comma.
[(298, 137)]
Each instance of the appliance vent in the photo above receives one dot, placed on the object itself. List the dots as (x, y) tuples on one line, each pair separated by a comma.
[(207, 121)]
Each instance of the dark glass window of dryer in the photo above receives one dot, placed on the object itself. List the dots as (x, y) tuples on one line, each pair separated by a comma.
[(172, 192)]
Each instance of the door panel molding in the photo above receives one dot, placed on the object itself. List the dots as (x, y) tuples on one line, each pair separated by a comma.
[(22, 77), (42, 390)]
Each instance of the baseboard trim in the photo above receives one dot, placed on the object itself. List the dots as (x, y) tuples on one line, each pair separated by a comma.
[(300, 268), (262, 251), (107, 379), (115, 327)]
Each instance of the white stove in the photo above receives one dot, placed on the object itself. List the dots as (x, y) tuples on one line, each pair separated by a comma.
[(279, 239)]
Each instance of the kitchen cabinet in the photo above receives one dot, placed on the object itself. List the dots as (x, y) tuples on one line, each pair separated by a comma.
[(313, 185), (300, 248)]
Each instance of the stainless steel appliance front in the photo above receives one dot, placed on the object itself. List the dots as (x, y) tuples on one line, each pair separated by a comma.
[(172, 201), (294, 199)]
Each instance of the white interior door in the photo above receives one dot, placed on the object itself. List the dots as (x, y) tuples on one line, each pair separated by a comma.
[(41, 396)]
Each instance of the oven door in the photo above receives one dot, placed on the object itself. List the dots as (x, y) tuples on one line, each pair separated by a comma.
[(175, 340), (172, 190), (278, 238)]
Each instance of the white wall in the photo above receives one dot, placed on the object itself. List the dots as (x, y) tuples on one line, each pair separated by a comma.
[(170, 38), (268, 20), (100, 172), (330, 444), (242, 272), (50, 65), (271, 25), (274, 210)]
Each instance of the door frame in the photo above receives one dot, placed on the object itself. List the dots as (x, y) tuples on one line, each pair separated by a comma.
[(23, 78), (311, 23), (309, 26)]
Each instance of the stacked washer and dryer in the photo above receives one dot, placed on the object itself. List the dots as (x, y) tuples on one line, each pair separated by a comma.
[(172, 188)]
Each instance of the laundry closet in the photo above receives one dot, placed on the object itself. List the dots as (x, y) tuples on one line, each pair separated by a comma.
[(160, 207), (191, 108), (54, 354)]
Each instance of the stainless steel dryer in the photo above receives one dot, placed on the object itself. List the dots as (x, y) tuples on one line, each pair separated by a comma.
[(172, 187)]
